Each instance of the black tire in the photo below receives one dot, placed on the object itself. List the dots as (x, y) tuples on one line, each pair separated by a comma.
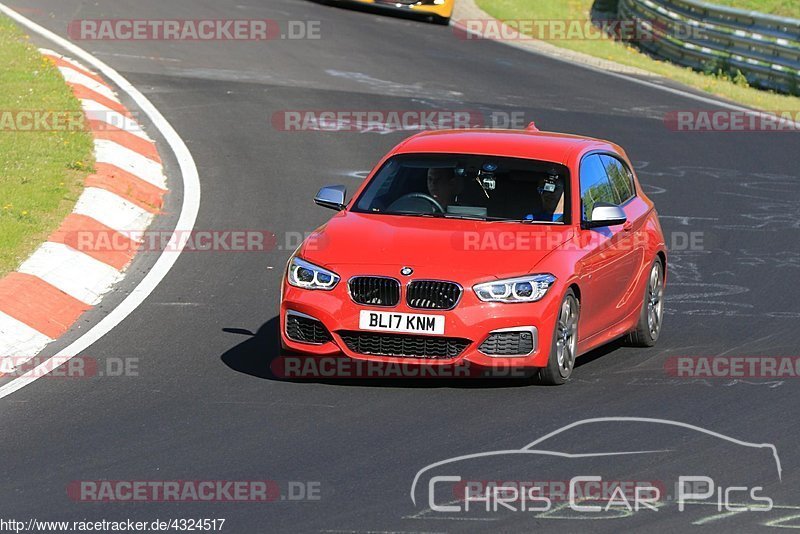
[(651, 316), (564, 347)]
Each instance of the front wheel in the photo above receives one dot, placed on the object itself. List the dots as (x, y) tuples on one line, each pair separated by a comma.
[(564, 348), (652, 314)]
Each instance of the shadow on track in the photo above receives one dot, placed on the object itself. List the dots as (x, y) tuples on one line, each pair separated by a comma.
[(599, 352), (256, 356)]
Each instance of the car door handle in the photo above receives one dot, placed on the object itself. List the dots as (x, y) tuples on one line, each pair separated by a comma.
[(627, 226)]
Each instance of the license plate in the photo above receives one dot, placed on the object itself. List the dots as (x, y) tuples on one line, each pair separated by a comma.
[(401, 322)]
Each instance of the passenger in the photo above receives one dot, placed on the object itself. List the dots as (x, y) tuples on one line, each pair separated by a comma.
[(551, 193)]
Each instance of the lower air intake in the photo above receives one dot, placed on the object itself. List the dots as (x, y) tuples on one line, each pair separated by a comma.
[(404, 346)]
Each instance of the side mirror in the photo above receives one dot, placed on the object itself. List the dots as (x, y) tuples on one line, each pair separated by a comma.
[(332, 197), (605, 214)]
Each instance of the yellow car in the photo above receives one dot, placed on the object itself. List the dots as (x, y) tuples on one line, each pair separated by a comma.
[(434, 10)]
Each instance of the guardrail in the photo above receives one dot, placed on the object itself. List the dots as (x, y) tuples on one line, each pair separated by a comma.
[(709, 38)]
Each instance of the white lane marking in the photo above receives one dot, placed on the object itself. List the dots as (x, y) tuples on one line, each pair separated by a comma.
[(699, 98), (97, 111), (186, 220), (133, 56), (390, 87), (129, 160), (630, 78), (112, 210), (75, 273), (75, 77), (18, 340)]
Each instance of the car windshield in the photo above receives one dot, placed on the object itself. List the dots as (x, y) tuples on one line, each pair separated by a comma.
[(485, 188)]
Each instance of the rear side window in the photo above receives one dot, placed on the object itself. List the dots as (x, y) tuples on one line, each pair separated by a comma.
[(595, 186), (620, 177)]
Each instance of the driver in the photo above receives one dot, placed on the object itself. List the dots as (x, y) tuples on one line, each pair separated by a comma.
[(444, 186)]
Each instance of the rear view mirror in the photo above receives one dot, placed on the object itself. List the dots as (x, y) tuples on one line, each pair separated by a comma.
[(332, 197), (605, 214)]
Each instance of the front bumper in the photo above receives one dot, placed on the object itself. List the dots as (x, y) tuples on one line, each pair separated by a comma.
[(472, 320)]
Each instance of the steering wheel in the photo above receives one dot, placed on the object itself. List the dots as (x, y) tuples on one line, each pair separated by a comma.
[(395, 206)]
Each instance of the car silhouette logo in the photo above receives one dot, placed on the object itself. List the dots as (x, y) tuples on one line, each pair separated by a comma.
[(543, 448)]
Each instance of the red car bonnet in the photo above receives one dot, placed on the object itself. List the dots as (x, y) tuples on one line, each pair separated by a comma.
[(457, 249)]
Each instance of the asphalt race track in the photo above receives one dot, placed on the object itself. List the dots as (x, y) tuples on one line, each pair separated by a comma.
[(205, 406)]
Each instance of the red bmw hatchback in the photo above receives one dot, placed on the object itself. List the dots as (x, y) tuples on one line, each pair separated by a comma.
[(520, 249)]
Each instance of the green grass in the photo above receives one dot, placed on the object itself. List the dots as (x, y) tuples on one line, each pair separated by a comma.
[(783, 8), (41, 172), (627, 55)]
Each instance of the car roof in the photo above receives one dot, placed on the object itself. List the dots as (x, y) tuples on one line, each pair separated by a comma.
[(543, 146)]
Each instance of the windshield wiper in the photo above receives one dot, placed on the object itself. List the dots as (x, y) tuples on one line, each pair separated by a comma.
[(438, 215), (537, 221), (462, 216), (466, 217), (485, 219), (415, 214)]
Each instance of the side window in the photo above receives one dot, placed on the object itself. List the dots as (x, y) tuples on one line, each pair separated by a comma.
[(620, 178), (595, 186)]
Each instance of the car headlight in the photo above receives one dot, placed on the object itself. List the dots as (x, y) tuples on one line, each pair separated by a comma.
[(309, 276), (523, 289)]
